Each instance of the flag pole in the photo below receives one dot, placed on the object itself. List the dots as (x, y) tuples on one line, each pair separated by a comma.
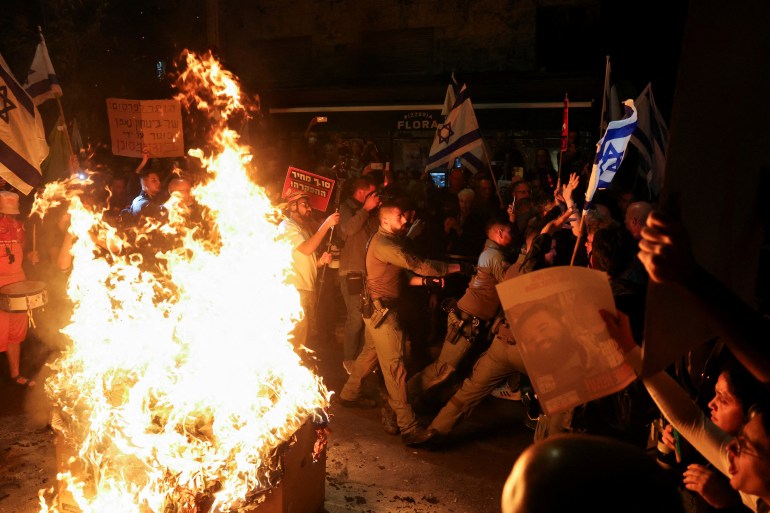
[(64, 122), (492, 172), (564, 139), (58, 99), (609, 157), (579, 236), (604, 95)]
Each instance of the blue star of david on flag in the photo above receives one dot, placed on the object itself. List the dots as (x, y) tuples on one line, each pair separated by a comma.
[(6, 105), (609, 164), (445, 133), (42, 83), (610, 152), (459, 135), (22, 137)]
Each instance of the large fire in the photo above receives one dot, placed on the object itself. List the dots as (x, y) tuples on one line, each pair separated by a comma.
[(181, 378)]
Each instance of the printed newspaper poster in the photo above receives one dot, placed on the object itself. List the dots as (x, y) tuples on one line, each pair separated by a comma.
[(565, 346)]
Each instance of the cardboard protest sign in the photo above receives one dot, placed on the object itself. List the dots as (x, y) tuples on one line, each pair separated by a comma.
[(713, 205), (152, 124), (318, 187), (568, 353)]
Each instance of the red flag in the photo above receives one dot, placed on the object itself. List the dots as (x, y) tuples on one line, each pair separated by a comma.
[(565, 125)]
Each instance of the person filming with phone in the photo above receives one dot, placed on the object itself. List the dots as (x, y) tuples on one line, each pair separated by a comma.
[(358, 221)]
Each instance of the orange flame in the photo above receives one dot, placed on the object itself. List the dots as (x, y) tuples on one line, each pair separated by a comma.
[(181, 378)]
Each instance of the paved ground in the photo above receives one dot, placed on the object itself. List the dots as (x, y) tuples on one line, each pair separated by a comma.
[(368, 470)]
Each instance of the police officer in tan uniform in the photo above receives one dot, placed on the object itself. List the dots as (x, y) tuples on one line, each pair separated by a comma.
[(386, 260), (468, 320), (358, 222)]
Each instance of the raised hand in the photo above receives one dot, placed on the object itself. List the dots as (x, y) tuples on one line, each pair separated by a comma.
[(569, 187), (665, 250), (667, 437), (709, 485), (372, 201), (332, 220), (619, 327)]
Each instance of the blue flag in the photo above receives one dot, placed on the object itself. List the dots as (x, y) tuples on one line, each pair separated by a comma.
[(610, 152)]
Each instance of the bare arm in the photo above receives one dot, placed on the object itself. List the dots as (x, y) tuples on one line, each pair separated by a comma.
[(568, 189), (312, 244), (672, 401), (64, 258), (555, 224), (145, 158)]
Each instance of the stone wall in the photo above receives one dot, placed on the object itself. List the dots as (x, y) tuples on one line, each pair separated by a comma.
[(283, 44)]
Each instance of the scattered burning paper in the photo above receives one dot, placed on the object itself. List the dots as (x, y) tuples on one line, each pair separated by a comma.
[(181, 378)]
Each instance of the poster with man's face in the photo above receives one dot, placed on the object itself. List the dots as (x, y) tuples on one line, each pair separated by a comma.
[(569, 356)]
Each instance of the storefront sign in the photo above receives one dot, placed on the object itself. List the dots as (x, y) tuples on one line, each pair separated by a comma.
[(417, 120)]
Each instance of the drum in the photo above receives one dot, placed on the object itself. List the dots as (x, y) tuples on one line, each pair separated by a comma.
[(23, 296)]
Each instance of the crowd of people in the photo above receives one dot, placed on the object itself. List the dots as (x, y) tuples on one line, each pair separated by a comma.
[(713, 451), (37, 257), (416, 270)]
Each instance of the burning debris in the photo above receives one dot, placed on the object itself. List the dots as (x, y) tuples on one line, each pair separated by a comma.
[(181, 390)]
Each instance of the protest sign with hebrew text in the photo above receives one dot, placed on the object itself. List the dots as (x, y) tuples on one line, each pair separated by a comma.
[(319, 188), (152, 124)]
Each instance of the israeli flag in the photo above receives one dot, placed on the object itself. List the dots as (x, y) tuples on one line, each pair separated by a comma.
[(651, 139), (459, 135), (42, 83), (610, 152), (22, 138)]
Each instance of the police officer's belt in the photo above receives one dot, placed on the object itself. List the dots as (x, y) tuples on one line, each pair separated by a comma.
[(464, 316), (449, 305), (383, 303)]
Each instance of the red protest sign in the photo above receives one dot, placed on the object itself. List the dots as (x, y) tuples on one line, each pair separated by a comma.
[(318, 187)]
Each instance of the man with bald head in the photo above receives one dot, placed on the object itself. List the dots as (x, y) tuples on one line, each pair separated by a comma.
[(181, 188), (386, 262), (572, 472), (636, 217)]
